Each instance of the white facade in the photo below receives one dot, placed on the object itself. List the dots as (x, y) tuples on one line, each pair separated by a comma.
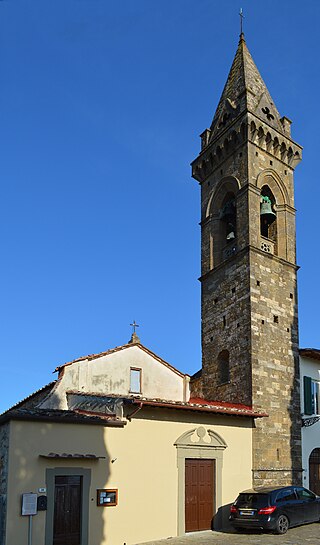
[(310, 407)]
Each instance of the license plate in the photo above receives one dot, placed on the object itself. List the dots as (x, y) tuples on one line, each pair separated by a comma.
[(246, 512)]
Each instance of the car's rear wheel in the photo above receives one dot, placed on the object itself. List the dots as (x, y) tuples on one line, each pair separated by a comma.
[(282, 524)]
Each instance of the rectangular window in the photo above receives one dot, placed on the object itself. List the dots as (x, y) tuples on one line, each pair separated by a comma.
[(135, 380), (311, 396), (315, 396)]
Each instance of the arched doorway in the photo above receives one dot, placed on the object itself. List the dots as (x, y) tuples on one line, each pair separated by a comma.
[(314, 471)]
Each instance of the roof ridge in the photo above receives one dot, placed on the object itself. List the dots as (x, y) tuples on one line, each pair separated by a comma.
[(91, 357)]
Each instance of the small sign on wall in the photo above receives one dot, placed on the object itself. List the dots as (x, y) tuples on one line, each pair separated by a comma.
[(29, 504), (106, 497)]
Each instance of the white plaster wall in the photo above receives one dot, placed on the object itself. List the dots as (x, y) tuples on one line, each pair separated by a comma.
[(110, 374), (310, 435)]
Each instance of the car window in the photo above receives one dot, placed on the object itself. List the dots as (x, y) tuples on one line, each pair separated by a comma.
[(286, 495), (304, 494), (252, 500)]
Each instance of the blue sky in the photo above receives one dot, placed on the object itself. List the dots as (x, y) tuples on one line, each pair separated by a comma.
[(102, 103)]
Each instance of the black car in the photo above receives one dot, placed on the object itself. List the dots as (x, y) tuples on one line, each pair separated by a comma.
[(275, 509)]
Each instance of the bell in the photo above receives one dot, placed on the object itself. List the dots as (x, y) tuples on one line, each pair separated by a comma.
[(230, 232), (227, 211), (231, 235), (266, 212)]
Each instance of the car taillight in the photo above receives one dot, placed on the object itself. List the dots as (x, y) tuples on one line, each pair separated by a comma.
[(267, 510), (233, 509)]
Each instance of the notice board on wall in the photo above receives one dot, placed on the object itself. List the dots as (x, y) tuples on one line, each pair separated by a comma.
[(29, 504)]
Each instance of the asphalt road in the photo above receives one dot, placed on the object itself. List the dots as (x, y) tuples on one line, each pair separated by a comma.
[(303, 535)]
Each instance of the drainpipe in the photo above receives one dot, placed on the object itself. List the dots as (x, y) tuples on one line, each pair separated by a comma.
[(129, 416)]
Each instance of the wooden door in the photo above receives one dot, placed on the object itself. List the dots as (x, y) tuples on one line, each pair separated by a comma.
[(314, 471), (67, 510), (199, 494)]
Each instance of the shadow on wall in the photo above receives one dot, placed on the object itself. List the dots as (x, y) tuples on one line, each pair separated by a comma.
[(30, 466), (220, 522), (295, 406)]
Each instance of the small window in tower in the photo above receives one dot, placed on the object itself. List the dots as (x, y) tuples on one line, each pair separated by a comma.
[(216, 300), (285, 172), (224, 367), (257, 154), (240, 154), (221, 172), (258, 282), (238, 325), (262, 321), (233, 290), (276, 319), (291, 295), (135, 380), (288, 330), (224, 321)]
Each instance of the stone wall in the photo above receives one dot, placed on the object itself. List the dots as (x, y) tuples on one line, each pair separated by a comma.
[(249, 304), (275, 370), (226, 326)]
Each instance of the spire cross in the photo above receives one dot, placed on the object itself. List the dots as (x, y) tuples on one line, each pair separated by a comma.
[(134, 325), (241, 21)]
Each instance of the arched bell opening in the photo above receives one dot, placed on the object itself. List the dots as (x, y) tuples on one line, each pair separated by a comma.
[(268, 216), (228, 219)]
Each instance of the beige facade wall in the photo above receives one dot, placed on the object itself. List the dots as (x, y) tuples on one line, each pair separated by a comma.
[(110, 374), (140, 461)]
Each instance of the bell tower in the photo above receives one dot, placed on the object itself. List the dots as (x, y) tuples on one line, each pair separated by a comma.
[(248, 267)]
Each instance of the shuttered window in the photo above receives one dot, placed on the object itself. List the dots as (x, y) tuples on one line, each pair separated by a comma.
[(307, 395), (311, 391)]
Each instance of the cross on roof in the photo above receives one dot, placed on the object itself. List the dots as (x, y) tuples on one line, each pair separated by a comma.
[(134, 325), (241, 20)]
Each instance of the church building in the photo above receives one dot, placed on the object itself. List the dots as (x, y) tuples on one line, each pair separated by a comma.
[(123, 448)]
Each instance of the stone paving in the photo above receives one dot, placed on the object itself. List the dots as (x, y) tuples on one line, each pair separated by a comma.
[(303, 535)]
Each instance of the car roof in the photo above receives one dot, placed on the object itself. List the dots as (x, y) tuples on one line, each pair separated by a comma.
[(265, 489)]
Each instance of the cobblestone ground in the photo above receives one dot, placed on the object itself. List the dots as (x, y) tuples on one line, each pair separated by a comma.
[(303, 535)]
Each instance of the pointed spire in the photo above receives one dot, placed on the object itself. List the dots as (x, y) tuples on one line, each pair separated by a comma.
[(244, 90)]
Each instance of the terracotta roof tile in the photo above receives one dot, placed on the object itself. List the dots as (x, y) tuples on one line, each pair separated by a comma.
[(203, 406), (91, 357), (32, 397), (60, 416), (313, 353)]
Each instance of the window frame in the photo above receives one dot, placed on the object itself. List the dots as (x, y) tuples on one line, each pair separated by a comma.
[(140, 380), (311, 393)]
